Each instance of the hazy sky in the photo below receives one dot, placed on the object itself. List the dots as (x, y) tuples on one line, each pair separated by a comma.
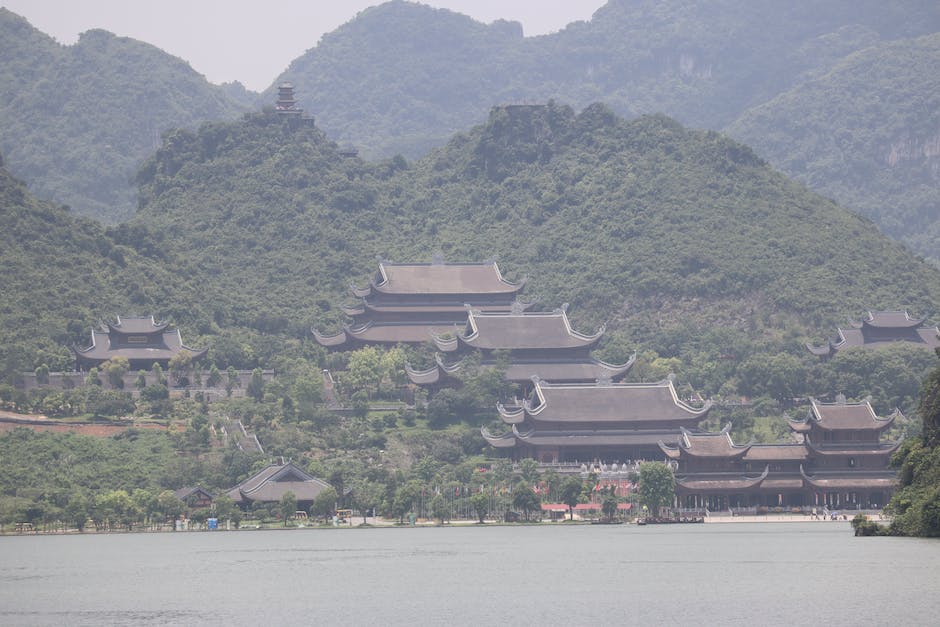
[(253, 41)]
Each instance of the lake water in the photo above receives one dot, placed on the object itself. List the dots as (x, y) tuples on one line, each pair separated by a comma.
[(732, 574)]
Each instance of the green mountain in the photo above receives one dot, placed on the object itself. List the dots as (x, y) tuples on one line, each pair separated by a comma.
[(76, 121), (401, 77), (653, 227), (836, 94), (866, 133), (62, 274)]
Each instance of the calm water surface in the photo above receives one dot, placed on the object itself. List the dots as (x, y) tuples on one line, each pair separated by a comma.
[(735, 574)]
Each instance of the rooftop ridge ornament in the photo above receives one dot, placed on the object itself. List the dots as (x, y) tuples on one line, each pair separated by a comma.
[(516, 308), (604, 381)]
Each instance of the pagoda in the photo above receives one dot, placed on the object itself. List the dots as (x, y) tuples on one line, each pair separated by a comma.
[(409, 302), (878, 329), (601, 421), (286, 105), (541, 344), (142, 341), (839, 462)]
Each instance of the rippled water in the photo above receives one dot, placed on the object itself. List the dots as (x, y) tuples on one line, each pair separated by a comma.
[(765, 574)]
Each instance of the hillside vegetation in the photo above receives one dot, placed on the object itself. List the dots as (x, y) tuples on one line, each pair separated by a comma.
[(619, 218), (867, 133), (76, 121), (826, 92), (62, 274), (402, 76)]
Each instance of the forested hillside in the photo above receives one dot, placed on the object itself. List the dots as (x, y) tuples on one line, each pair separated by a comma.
[(402, 77), (76, 121), (867, 133), (62, 274), (643, 223)]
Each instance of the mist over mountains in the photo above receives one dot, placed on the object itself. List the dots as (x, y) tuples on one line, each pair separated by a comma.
[(841, 95)]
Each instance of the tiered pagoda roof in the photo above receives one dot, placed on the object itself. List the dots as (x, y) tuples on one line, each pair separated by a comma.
[(541, 344), (840, 458), (142, 341), (842, 417), (408, 302), (614, 415), (271, 483), (881, 328), (518, 331), (439, 278)]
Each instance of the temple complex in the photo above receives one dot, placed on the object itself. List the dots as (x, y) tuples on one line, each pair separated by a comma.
[(541, 344), (270, 484), (606, 421), (409, 302), (142, 341), (840, 462), (881, 328)]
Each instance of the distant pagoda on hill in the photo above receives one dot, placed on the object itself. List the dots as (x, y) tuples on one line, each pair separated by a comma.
[(541, 344), (408, 302), (286, 105), (142, 341), (881, 328), (841, 463), (585, 422)]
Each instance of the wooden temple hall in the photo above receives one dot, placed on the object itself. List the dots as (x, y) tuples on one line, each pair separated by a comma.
[(540, 344), (142, 341), (839, 462), (408, 302), (878, 329), (584, 422)]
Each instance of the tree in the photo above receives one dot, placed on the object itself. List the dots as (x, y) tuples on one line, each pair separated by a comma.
[(180, 364), (324, 504), (42, 374), (364, 371), (480, 503), (439, 508), (288, 506), (609, 504), (571, 491), (158, 376), (169, 505), (405, 497), (115, 369), (214, 378), (141, 381), (525, 498), (255, 387), (657, 485), (93, 378), (529, 471), (76, 511), (930, 408), (367, 495), (232, 380)]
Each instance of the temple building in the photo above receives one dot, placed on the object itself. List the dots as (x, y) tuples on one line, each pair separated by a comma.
[(143, 341), (840, 463), (270, 484), (408, 302), (609, 422), (286, 105), (881, 328), (541, 344)]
